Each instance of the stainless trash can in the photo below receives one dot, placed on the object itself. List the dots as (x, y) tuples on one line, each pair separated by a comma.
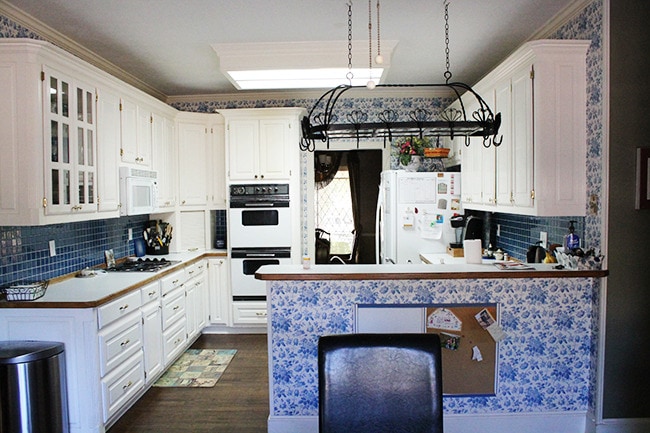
[(33, 394)]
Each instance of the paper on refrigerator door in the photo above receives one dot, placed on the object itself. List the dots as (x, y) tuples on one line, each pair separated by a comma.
[(430, 226)]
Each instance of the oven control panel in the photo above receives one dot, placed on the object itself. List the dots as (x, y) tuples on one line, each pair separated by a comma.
[(266, 189)]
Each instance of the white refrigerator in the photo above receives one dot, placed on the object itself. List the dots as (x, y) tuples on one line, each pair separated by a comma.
[(413, 214)]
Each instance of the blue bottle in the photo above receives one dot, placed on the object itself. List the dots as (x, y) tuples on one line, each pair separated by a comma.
[(571, 240)]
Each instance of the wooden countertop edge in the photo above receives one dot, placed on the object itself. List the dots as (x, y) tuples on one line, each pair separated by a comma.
[(312, 276), (97, 303)]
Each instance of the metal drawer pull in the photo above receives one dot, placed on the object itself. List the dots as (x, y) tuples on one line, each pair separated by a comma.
[(127, 386), (124, 343), (124, 307), (174, 282), (152, 293), (176, 307), (260, 314)]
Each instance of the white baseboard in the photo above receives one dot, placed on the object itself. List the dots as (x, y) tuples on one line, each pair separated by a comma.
[(562, 422), (223, 329)]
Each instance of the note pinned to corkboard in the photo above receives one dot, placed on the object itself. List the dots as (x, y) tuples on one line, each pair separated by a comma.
[(469, 351)]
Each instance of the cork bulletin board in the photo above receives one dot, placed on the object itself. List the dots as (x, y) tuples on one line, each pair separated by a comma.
[(462, 372), (460, 331)]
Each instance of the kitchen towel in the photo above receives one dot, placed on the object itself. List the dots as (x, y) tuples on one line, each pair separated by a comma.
[(473, 253)]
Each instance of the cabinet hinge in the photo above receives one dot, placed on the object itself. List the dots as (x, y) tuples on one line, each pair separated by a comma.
[(44, 202), (532, 194), (151, 119), (120, 105), (42, 76), (121, 152), (532, 73)]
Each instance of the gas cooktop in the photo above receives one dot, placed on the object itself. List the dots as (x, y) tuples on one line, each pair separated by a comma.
[(142, 265)]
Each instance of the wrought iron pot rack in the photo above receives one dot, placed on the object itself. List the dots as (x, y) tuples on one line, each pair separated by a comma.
[(322, 123)]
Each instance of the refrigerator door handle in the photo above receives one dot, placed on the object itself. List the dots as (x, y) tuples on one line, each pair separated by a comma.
[(377, 226)]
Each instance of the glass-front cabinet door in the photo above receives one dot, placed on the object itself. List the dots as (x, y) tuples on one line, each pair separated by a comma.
[(70, 144)]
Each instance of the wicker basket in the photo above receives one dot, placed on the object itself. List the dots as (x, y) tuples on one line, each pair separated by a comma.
[(436, 152), (25, 292)]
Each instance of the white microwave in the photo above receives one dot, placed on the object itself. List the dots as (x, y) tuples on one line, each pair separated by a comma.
[(138, 191)]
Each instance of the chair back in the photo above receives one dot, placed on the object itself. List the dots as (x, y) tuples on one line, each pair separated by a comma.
[(380, 383)]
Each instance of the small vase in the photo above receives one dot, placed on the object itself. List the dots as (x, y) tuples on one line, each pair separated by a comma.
[(414, 164)]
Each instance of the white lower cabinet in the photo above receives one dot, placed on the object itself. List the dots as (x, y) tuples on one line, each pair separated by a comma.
[(151, 331), (116, 351), (174, 339), (219, 288), (249, 313), (122, 384)]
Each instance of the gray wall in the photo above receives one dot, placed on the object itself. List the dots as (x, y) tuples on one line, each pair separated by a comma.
[(627, 353)]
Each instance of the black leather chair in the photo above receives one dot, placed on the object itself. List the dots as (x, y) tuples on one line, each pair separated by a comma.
[(380, 383)]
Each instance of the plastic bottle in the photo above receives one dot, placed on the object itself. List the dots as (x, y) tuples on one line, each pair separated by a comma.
[(571, 240)]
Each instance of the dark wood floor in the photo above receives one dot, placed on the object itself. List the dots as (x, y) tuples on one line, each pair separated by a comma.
[(238, 403)]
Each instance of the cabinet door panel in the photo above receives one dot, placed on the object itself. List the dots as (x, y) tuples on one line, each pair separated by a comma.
[(523, 147), (108, 151), (503, 105), (192, 150), (243, 139), (273, 149)]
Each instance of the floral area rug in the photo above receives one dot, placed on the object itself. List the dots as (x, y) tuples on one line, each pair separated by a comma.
[(197, 368)]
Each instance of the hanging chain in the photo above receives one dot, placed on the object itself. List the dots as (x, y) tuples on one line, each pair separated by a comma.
[(448, 71), (350, 75), (378, 34), (370, 37)]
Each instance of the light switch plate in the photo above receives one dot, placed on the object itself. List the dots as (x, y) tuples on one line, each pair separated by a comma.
[(543, 236), (52, 246)]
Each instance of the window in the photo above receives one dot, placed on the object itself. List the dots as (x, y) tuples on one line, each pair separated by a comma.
[(334, 212)]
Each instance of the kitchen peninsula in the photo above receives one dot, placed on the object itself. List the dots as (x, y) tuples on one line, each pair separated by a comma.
[(545, 366)]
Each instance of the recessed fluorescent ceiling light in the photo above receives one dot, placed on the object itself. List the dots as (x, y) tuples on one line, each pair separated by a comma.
[(303, 78), (299, 65)]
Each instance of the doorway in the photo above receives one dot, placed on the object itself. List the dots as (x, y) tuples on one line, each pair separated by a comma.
[(346, 186)]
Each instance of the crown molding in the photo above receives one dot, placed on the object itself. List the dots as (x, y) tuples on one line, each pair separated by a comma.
[(49, 34), (312, 94)]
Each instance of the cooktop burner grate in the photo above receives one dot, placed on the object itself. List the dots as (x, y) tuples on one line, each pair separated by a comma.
[(142, 265)]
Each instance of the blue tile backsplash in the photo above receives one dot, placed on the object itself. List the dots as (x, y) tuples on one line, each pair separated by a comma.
[(25, 254)]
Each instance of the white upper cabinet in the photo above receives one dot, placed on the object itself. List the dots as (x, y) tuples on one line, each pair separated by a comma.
[(192, 159), (540, 166), (136, 139), (65, 127), (70, 131), (164, 158), (108, 152), (48, 136), (262, 144)]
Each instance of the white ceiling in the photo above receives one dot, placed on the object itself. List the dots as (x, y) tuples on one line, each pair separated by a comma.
[(167, 43)]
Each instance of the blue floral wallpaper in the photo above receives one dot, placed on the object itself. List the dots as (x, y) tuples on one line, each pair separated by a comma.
[(543, 365)]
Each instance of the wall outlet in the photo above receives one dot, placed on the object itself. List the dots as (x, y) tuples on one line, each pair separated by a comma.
[(543, 236), (130, 234), (52, 245)]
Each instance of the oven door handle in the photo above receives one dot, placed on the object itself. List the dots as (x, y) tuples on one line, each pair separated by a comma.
[(261, 255), (258, 204)]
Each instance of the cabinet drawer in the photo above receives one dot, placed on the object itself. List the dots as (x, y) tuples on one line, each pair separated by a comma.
[(173, 307), (174, 341), (194, 269), (171, 281), (119, 341), (120, 307), (122, 384), (150, 292), (251, 313)]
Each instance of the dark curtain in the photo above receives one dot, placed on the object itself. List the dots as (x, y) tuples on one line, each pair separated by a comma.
[(355, 192)]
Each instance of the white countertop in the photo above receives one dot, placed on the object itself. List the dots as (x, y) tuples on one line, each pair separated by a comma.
[(91, 291)]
